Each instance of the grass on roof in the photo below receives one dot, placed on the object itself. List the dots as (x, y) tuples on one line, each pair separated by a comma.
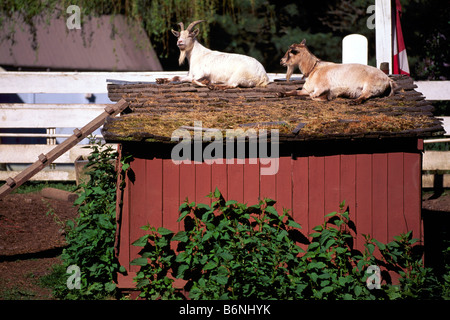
[(339, 116)]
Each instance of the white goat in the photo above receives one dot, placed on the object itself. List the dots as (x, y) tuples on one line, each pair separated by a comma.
[(214, 68), (328, 80)]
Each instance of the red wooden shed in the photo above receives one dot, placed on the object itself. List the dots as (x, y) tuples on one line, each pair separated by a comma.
[(369, 156)]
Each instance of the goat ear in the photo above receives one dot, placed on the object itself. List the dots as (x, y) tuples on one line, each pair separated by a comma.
[(175, 33), (194, 33), (303, 42)]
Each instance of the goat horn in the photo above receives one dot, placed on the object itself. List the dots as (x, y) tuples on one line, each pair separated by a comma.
[(193, 24), (181, 25)]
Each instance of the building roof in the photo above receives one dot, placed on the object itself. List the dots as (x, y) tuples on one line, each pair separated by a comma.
[(156, 110), (102, 44)]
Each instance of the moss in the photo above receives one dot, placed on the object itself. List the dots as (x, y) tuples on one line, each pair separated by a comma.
[(160, 113), (322, 121)]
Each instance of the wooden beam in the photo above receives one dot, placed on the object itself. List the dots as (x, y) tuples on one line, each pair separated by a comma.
[(44, 160)]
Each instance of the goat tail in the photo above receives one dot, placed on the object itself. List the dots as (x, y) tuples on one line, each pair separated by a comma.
[(264, 81), (393, 87)]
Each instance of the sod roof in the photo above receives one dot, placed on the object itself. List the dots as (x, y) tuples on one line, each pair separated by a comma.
[(157, 110)]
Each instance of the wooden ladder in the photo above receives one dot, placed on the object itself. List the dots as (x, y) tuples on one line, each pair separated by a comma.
[(45, 160)]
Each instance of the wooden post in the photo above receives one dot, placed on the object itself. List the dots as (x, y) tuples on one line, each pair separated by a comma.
[(45, 160), (383, 32), (58, 194)]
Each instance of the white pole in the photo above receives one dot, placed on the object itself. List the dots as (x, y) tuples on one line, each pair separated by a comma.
[(383, 32)]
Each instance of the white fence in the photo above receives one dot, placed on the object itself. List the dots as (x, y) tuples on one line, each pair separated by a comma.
[(75, 115), (52, 117)]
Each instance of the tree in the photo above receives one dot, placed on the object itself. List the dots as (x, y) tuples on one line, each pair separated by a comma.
[(263, 29)]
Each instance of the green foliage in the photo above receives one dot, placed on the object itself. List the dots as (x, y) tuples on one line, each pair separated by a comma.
[(155, 263), (239, 252), (91, 238), (36, 186), (404, 256), (429, 44), (434, 65), (335, 270), (229, 250), (325, 46), (260, 28), (446, 276)]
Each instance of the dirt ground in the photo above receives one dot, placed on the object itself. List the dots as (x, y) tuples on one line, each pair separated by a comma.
[(436, 202), (32, 238)]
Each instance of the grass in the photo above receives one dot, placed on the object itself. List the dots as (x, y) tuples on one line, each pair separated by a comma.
[(49, 281), (428, 192), (54, 278), (16, 293), (438, 146), (36, 186), (318, 119)]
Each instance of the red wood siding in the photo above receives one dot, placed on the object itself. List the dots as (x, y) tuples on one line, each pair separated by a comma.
[(382, 192)]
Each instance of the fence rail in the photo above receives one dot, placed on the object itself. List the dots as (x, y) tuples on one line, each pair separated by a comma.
[(44, 160), (20, 115), (75, 115)]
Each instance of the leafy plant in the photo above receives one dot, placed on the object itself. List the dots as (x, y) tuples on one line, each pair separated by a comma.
[(446, 276), (404, 256), (229, 250), (91, 237), (156, 262), (335, 269)]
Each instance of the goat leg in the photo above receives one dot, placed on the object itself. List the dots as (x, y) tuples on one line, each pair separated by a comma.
[(293, 93), (282, 94), (219, 87), (202, 82), (167, 80), (361, 99), (162, 80), (357, 101)]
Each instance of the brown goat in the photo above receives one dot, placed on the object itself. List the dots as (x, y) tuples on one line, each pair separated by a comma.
[(328, 80)]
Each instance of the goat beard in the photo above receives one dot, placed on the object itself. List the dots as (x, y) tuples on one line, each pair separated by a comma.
[(289, 72), (182, 57)]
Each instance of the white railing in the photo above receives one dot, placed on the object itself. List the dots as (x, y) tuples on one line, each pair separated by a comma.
[(76, 115), (435, 163), (58, 119)]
